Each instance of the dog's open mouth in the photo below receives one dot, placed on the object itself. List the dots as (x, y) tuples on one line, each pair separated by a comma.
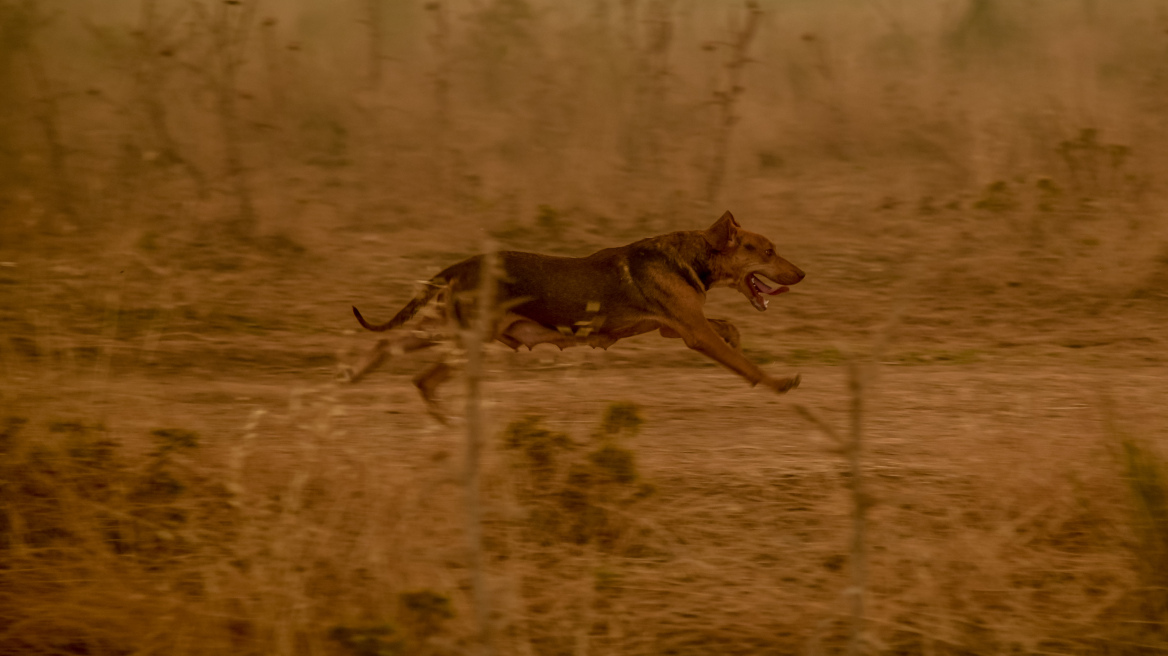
[(759, 289)]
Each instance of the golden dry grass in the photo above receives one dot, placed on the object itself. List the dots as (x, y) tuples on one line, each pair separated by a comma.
[(971, 186)]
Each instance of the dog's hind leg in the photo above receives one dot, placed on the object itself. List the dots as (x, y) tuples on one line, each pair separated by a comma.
[(368, 362), (427, 383), (727, 331), (386, 348)]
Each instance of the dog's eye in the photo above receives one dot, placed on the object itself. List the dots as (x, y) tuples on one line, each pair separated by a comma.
[(750, 247), (770, 252)]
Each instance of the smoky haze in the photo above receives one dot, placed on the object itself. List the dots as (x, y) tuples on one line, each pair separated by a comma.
[(194, 193)]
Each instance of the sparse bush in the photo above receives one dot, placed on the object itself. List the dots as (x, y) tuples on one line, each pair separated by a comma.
[(622, 418), (615, 463), (174, 439), (376, 640), (997, 197), (1094, 167), (540, 446), (424, 612), (549, 219), (572, 497)]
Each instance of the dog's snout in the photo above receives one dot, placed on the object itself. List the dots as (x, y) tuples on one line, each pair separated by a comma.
[(791, 274)]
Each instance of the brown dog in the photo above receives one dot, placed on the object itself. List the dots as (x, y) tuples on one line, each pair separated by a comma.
[(659, 283)]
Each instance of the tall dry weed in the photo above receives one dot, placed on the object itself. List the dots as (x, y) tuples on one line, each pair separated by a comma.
[(1147, 479)]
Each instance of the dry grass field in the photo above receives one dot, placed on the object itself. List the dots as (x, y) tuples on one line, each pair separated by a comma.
[(194, 193)]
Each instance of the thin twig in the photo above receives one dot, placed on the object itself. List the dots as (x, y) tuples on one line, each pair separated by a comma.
[(851, 448), (48, 115), (812, 417), (228, 27), (726, 98), (156, 45), (439, 40), (860, 505), (473, 343), (375, 15)]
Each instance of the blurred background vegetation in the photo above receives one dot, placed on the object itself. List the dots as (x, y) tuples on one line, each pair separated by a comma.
[(249, 114), (1011, 149)]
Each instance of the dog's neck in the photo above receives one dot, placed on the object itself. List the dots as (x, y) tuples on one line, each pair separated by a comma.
[(695, 259)]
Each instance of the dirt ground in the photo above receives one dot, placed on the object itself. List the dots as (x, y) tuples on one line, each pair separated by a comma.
[(992, 451)]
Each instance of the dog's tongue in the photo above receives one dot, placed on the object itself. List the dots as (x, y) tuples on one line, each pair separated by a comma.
[(767, 289)]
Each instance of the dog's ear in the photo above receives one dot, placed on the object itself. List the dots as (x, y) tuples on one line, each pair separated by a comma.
[(724, 233)]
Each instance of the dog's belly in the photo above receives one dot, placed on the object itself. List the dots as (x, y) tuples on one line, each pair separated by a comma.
[(524, 332), (520, 329)]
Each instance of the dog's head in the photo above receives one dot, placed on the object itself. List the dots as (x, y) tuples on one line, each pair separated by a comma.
[(747, 261)]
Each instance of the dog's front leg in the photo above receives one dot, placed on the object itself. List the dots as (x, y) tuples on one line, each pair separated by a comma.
[(705, 340), (725, 330)]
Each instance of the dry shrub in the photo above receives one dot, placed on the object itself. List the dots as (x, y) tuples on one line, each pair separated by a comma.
[(1146, 475), (573, 497), (90, 535), (297, 536), (106, 549)]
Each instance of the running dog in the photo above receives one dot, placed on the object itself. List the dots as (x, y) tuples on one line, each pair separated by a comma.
[(659, 283)]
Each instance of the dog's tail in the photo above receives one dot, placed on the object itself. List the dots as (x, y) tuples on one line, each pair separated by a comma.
[(433, 286)]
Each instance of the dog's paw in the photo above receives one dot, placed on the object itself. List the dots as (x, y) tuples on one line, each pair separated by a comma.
[(784, 385)]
